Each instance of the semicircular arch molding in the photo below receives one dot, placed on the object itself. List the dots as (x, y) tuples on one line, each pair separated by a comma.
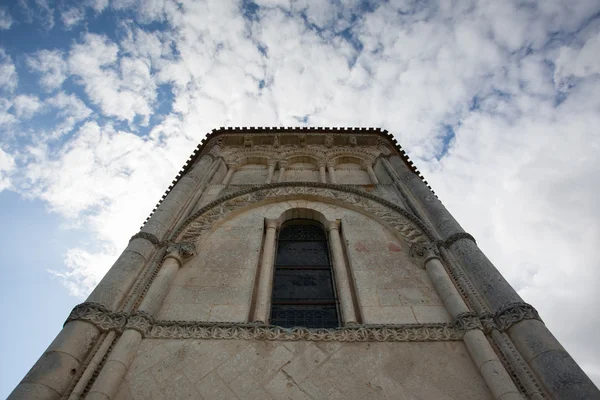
[(407, 226), (358, 155)]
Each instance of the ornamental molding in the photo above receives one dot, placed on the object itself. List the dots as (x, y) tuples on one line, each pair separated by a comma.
[(406, 224), (455, 238), (148, 327), (318, 153), (147, 236)]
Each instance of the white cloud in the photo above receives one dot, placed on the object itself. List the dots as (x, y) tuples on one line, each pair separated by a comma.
[(51, 65), (5, 19), (38, 11), (72, 16), (71, 109), (7, 165), (26, 106), (122, 88), (97, 5), (8, 72), (579, 63)]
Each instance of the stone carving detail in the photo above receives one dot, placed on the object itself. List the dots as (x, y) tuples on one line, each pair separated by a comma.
[(276, 141), (142, 322), (467, 322), (302, 140), (248, 141), (423, 252), (408, 226), (514, 313), (352, 141), (148, 236), (360, 333), (455, 238), (328, 141), (181, 251), (98, 315)]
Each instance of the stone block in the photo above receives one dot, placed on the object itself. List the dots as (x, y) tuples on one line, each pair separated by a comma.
[(301, 366), (229, 313), (214, 388), (246, 387), (431, 314), (389, 315), (283, 387)]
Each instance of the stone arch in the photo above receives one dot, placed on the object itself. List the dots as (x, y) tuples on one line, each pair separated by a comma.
[(401, 222), (357, 154)]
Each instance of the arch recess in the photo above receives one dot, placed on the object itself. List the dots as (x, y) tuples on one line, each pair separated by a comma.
[(409, 227)]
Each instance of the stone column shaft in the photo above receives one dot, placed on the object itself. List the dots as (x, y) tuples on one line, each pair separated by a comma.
[(281, 173), (497, 379), (372, 176), (322, 174), (331, 169), (262, 306), (270, 173), (342, 279), (231, 169), (110, 377), (51, 375)]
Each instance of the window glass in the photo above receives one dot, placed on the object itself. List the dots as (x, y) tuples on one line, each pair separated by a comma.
[(303, 290)]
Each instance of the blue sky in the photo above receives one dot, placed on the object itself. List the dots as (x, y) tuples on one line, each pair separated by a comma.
[(102, 101)]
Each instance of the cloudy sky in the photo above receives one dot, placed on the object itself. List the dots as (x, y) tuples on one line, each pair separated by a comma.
[(101, 102)]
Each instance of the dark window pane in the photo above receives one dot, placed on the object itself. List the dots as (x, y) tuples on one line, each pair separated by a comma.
[(302, 253), (302, 285), (307, 316), (302, 232)]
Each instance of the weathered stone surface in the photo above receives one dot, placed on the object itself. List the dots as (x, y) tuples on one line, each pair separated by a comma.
[(232, 369)]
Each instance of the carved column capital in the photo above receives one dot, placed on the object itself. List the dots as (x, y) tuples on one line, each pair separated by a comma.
[(282, 163), (365, 164), (423, 252), (271, 223), (321, 164), (330, 164), (333, 225), (232, 165), (180, 252)]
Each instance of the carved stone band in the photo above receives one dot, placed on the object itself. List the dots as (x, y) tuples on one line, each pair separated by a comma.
[(455, 238), (148, 236), (107, 320)]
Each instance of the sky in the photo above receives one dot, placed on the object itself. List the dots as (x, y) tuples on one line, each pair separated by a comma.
[(102, 101)]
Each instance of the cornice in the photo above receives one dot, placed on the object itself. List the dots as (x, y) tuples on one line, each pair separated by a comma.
[(120, 321)]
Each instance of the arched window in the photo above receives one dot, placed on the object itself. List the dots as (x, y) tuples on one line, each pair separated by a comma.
[(303, 290)]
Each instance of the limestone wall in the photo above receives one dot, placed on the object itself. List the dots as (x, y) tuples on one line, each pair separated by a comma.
[(217, 284), (249, 369)]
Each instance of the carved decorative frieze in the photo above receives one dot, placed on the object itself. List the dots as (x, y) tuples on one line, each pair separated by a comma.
[(142, 322), (147, 236), (455, 238), (513, 314), (467, 322), (98, 315), (361, 333)]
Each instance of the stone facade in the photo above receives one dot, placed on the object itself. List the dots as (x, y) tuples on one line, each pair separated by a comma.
[(184, 313)]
